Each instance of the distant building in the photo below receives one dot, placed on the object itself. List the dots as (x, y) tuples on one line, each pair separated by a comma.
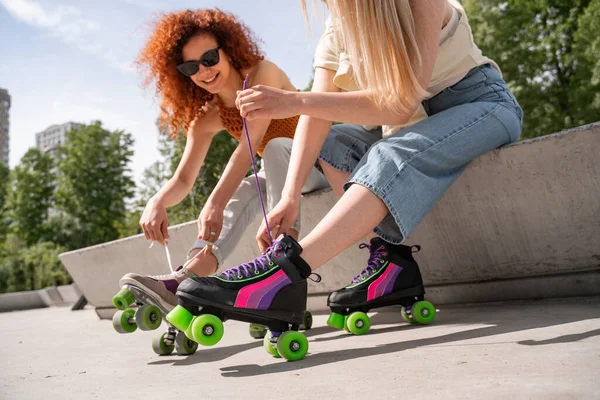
[(4, 125), (52, 137)]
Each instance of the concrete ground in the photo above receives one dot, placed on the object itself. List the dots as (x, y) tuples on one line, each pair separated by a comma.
[(533, 350)]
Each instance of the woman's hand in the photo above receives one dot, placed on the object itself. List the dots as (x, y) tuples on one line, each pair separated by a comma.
[(154, 221), (280, 219), (265, 102), (210, 222)]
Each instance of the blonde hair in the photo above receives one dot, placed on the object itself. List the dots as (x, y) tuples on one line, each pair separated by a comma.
[(379, 38)]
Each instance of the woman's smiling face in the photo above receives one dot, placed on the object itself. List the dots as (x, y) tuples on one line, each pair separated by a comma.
[(211, 79)]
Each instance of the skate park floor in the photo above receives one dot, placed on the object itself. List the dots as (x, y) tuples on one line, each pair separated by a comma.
[(548, 349)]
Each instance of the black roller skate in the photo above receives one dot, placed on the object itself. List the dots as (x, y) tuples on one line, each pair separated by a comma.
[(270, 291), (392, 277)]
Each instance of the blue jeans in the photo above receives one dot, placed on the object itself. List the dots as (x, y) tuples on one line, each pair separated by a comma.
[(411, 169)]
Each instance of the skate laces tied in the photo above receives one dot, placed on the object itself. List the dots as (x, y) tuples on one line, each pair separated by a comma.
[(247, 270), (261, 263), (374, 262)]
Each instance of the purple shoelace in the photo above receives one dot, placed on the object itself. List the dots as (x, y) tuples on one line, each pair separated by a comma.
[(262, 203), (373, 263), (247, 270), (263, 262)]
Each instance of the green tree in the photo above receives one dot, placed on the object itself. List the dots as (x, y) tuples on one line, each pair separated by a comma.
[(30, 196), (548, 52), (66, 231), (4, 186), (587, 43), (94, 181), (31, 268), (216, 159), (157, 174)]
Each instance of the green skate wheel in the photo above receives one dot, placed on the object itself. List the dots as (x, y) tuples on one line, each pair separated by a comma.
[(308, 321), (269, 347), (188, 332), (257, 331), (358, 323), (407, 317), (148, 317), (180, 318), (336, 320), (423, 312), (207, 330), (292, 345), (346, 324), (184, 345), (123, 321), (160, 347), (123, 299)]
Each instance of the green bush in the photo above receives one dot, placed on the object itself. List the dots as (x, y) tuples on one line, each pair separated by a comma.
[(30, 268)]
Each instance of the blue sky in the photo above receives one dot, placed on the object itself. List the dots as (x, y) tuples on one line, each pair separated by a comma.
[(71, 60)]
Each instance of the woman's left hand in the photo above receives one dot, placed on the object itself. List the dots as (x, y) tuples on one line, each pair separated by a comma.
[(265, 102)]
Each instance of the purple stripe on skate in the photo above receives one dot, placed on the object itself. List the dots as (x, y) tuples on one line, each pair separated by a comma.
[(265, 301), (171, 285), (385, 283), (259, 295)]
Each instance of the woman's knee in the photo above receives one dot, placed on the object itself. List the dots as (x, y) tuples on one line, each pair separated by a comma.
[(337, 136), (335, 177), (245, 192), (346, 144), (277, 148)]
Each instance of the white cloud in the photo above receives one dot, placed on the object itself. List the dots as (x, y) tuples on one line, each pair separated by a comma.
[(148, 4), (64, 20), (69, 25)]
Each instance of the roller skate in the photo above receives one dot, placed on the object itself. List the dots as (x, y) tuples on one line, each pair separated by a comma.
[(270, 291), (392, 277), (154, 297)]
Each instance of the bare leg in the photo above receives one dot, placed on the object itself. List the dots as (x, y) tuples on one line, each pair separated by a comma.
[(336, 178), (204, 264), (294, 233), (356, 214)]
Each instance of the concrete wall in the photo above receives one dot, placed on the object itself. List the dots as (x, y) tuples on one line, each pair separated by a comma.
[(51, 296), (524, 211)]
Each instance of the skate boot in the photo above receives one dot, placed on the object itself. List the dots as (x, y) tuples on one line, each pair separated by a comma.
[(392, 277), (154, 297), (270, 291)]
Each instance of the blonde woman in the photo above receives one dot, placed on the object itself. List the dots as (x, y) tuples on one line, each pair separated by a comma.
[(381, 62)]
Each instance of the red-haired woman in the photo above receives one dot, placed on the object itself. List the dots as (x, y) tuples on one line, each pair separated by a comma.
[(198, 60)]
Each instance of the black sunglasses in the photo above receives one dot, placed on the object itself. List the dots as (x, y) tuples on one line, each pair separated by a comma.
[(208, 59)]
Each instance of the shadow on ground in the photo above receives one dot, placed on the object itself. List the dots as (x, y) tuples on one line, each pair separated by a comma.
[(500, 319)]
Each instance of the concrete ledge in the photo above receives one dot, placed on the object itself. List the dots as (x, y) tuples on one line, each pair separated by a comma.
[(54, 296), (69, 293), (50, 296), (520, 222), (21, 301)]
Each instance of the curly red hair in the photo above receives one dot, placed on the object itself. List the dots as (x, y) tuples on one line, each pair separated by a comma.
[(181, 99)]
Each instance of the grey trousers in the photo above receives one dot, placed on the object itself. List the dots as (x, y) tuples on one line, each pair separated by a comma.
[(244, 205)]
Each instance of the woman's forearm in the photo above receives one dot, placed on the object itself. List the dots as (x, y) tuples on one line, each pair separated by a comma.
[(172, 192), (308, 141), (347, 107), (235, 171)]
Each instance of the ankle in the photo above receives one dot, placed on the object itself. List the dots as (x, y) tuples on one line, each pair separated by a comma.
[(203, 264), (294, 234)]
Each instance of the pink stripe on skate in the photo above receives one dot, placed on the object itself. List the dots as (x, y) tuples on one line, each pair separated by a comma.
[(251, 295), (385, 283)]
